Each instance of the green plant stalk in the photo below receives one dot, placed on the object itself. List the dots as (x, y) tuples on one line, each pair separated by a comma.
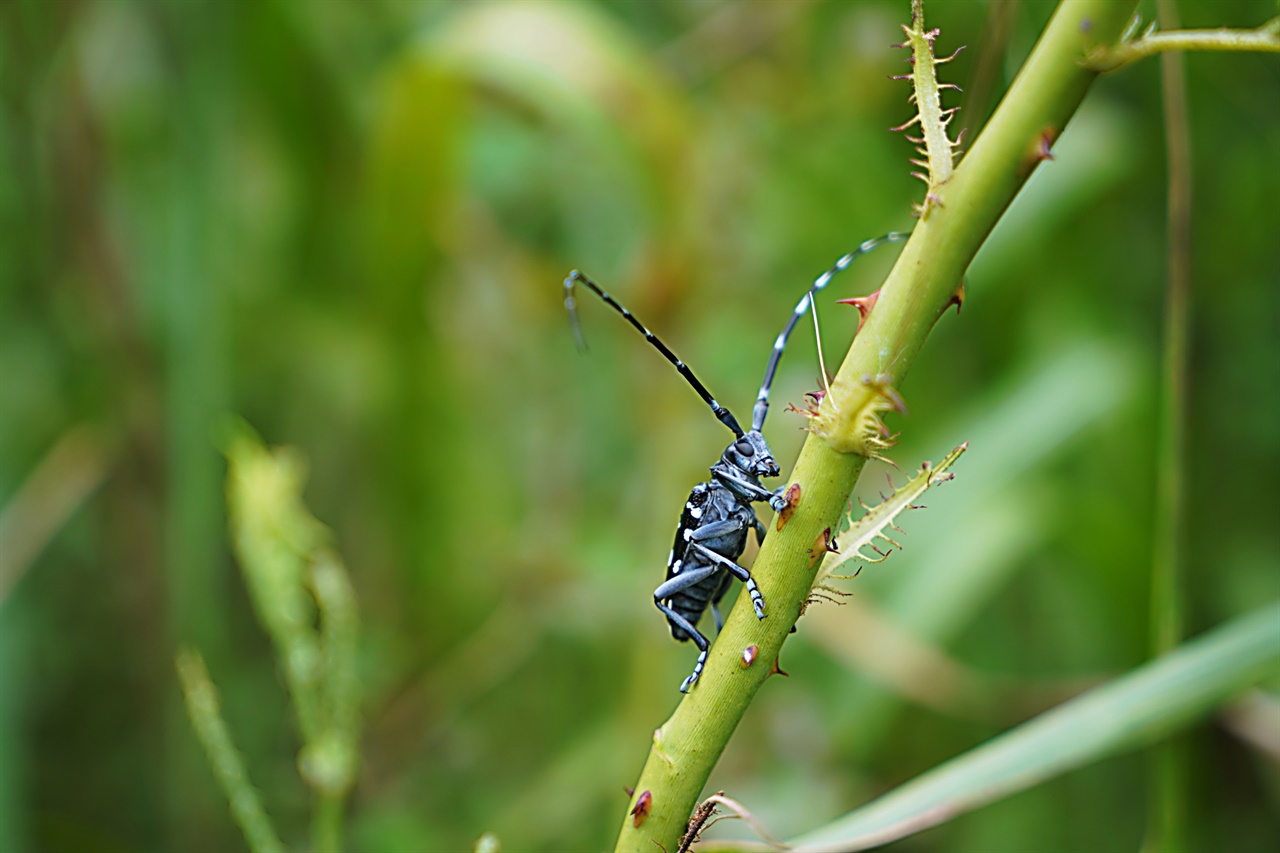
[(329, 763), (921, 286), (340, 629), (1166, 621), (1263, 39), (1166, 830), (291, 576), (224, 759), (326, 822)]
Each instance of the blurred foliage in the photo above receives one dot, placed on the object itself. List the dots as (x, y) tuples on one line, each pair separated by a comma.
[(348, 221), (303, 597)]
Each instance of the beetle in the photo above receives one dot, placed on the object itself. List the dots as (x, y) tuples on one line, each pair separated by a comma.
[(713, 528)]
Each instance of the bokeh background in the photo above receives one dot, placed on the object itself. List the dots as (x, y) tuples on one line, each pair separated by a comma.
[(348, 222)]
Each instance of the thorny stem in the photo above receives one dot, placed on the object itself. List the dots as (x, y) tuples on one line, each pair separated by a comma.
[(919, 289), (1263, 39)]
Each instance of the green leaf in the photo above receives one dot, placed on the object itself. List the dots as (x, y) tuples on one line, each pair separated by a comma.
[(1128, 713)]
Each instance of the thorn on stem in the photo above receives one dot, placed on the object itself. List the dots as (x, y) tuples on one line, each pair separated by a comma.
[(864, 304), (821, 545), (1039, 148), (957, 298), (1045, 144), (644, 803)]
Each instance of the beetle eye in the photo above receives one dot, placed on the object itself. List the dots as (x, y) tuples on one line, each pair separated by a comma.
[(744, 447)]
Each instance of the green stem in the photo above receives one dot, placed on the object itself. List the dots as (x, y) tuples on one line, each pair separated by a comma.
[(225, 760), (1264, 39), (326, 823), (918, 291), (1166, 829)]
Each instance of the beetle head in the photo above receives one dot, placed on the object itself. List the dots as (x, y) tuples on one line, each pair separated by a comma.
[(751, 454)]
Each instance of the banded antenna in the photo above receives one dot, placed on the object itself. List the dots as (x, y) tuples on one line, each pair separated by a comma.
[(761, 409), (571, 305)]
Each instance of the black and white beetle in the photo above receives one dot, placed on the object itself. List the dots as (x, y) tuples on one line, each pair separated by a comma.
[(713, 526)]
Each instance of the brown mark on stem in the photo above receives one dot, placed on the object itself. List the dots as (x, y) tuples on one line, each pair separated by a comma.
[(793, 500)]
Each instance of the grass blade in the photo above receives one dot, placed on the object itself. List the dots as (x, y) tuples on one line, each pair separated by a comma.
[(1130, 712)]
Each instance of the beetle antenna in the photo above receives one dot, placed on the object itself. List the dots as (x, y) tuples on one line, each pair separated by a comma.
[(761, 409), (570, 303)]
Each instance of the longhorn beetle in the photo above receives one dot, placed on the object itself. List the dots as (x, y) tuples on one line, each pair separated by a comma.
[(713, 526)]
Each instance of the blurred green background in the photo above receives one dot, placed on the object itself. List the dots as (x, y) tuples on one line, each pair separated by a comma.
[(348, 222)]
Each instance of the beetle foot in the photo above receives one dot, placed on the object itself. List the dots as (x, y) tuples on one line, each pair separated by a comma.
[(697, 670)]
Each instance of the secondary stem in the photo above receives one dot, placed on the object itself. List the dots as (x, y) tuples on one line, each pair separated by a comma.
[(1264, 39), (1166, 830)]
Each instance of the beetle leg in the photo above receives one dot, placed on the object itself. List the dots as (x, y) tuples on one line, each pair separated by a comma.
[(684, 580), (757, 600), (701, 641), (714, 530)]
